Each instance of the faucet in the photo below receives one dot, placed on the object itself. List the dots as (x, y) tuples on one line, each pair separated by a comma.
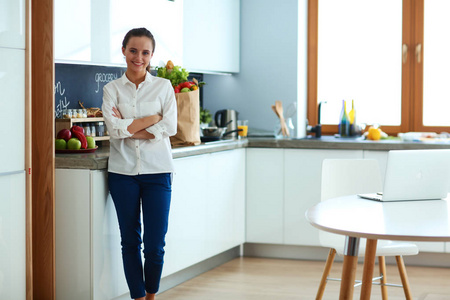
[(317, 130)]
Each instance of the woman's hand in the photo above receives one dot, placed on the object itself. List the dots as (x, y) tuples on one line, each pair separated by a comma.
[(116, 113)]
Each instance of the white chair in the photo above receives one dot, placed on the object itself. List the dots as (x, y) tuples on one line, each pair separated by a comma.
[(341, 177)]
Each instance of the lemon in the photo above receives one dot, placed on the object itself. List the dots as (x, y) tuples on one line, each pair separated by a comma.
[(374, 134)]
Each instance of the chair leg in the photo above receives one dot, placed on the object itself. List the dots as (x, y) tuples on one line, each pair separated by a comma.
[(404, 277), (383, 280), (326, 272)]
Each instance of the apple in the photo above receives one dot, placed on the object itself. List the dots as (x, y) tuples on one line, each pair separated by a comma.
[(77, 128), (90, 142), (60, 144), (185, 90), (64, 134), (74, 144)]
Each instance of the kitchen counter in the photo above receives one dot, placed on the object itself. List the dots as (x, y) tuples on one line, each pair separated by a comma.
[(99, 159)]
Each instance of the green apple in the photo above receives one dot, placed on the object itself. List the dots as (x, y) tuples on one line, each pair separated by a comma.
[(74, 144), (185, 90), (60, 144), (90, 142)]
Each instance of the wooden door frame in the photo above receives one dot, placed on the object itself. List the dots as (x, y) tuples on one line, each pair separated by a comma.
[(40, 152)]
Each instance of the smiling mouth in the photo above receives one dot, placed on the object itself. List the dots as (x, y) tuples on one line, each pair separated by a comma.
[(138, 64)]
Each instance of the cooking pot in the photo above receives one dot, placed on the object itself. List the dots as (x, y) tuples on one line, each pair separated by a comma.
[(215, 133)]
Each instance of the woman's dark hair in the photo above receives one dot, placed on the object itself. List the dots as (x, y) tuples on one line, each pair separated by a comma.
[(138, 32)]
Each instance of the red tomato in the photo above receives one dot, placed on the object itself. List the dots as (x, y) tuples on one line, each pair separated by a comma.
[(186, 84), (176, 90)]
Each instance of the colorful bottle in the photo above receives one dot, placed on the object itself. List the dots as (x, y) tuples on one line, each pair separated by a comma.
[(344, 122), (352, 120)]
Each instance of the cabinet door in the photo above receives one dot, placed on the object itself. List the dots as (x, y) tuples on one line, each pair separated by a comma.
[(211, 31), (264, 214), (381, 157), (107, 268), (12, 236), (302, 178), (185, 239), (72, 234), (12, 100), (226, 201), (93, 31), (12, 24)]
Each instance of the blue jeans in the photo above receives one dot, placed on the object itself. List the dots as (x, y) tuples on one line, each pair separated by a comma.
[(154, 192)]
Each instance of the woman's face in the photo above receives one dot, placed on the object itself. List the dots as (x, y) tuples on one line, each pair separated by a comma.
[(138, 53)]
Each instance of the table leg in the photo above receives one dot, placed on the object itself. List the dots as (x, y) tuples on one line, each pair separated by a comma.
[(369, 264), (349, 268)]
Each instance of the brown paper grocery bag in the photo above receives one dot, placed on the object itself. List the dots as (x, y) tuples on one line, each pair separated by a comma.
[(188, 128)]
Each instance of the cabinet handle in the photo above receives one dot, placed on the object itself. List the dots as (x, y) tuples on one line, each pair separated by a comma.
[(418, 52), (404, 53)]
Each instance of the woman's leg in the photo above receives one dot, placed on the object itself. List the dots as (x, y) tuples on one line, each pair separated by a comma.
[(156, 194), (125, 193)]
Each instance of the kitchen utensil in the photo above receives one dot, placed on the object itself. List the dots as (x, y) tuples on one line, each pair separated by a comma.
[(279, 112), (227, 118)]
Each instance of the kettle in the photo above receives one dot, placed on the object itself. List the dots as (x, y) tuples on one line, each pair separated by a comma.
[(227, 116)]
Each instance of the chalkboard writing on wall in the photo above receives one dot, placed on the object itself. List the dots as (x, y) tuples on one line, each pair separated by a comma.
[(82, 83), (85, 83)]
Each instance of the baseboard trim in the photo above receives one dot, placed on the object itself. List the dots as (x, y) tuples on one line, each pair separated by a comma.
[(425, 259)]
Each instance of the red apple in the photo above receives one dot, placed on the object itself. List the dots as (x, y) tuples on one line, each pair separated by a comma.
[(64, 134), (77, 128)]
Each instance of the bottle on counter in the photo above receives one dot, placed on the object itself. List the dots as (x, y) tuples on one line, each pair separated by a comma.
[(344, 122), (352, 120)]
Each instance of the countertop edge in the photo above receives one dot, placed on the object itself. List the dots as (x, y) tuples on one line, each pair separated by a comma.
[(99, 159)]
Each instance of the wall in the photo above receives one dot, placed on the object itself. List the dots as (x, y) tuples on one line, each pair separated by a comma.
[(273, 64)]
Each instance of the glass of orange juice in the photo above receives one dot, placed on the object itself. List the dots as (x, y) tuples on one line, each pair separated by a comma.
[(243, 128)]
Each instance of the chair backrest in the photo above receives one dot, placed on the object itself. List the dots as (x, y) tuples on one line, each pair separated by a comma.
[(341, 177)]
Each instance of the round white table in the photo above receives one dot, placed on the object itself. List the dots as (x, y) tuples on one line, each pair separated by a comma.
[(357, 218)]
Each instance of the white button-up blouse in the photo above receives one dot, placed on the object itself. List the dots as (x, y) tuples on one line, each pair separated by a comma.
[(130, 156)]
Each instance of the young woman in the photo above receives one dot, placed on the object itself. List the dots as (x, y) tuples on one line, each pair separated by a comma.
[(140, 113)]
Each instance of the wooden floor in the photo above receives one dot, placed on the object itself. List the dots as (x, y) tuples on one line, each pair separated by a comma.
[(278, 279)]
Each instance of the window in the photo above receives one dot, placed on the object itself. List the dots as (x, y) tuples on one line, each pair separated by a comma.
[(386, 55)]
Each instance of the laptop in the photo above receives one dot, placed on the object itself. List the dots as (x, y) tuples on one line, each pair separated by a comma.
[(415, 175)]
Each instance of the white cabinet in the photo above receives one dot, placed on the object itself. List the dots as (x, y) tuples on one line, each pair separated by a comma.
[(12, 120), (281, 185), (12, 236), (207, 210), (93, 31), (88, 251), (211, 35), (206, 218), (200, 35), (382, 157), (264, 213), (12, 24), (302, 185)]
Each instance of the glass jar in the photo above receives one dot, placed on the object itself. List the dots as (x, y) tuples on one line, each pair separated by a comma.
[(79, 113), (100, 129), (69, 113), (93, 131), (87, 129), (84, 113)]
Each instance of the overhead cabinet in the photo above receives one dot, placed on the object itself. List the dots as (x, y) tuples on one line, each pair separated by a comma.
[(211, 34), (200, 35)]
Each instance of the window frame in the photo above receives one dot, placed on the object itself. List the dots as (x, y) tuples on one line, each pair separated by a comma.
[(412, 71)]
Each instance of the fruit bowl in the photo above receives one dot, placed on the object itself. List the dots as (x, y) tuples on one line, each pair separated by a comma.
[(67, 151)]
